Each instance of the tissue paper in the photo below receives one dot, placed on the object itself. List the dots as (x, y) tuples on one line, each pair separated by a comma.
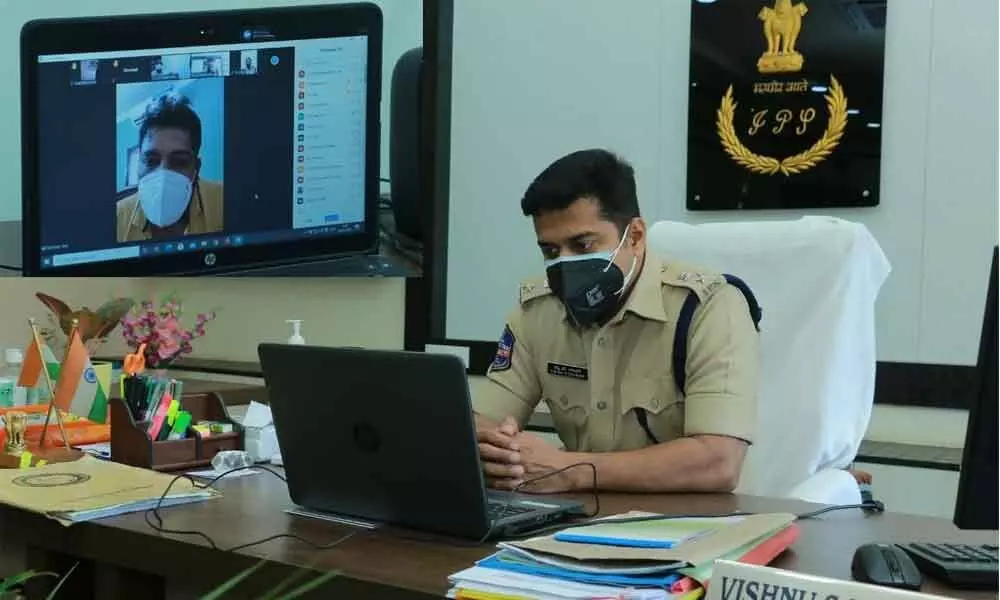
[(261, 440)]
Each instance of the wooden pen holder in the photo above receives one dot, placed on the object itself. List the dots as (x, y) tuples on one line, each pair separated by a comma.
[(132, 445)]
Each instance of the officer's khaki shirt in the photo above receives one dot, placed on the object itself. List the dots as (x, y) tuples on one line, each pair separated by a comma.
[(592, 379), (205, 216)]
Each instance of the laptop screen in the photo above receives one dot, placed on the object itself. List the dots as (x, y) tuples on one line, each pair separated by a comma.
[(167, 151)]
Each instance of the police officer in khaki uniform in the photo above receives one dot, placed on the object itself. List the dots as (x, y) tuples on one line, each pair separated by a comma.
[(593, 341)]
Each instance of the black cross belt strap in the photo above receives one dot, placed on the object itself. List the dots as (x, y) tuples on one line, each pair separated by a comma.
[(684, 319)]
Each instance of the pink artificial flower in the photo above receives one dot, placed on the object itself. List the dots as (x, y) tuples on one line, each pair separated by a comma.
[(160, 328), (170, 325), (167, 348)]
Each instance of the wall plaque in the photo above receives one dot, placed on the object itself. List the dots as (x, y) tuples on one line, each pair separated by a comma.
[(785, 104)]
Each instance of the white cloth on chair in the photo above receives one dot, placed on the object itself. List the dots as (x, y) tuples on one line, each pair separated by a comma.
[(816, 279)]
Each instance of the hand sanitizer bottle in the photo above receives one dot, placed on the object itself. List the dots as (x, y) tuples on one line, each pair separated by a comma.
[(12, 394), (296, 338)]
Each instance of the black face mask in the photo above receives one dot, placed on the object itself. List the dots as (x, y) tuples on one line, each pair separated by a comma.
[(590, 287)]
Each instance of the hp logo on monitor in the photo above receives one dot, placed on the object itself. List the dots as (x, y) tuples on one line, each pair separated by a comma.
[(210, 259)]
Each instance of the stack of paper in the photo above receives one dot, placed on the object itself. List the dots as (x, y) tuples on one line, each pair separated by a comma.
[(90, 488), (645, 534), (646, 560)]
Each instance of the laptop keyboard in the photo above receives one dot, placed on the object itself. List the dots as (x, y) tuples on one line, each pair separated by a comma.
[(498, 509)]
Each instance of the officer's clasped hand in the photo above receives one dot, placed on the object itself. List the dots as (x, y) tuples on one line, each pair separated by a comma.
[(500, 453)]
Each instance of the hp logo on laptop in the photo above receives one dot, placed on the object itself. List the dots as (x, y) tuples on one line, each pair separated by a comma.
[(210, 259)]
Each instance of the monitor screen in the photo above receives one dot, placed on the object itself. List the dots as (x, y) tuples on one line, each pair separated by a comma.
[(187, 158), (976, 504)]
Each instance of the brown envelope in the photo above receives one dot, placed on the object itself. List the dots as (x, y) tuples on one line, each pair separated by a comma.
[(698, 551), (56, 489)]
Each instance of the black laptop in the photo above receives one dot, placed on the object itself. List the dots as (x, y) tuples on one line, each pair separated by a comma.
[(389, 436)]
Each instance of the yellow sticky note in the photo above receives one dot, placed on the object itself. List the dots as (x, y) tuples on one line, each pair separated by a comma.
[(172, 410), (25, 460), (41, 463)]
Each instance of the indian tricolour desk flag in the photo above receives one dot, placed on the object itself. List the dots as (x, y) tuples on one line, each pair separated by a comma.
[(31, 368), (78, 391)]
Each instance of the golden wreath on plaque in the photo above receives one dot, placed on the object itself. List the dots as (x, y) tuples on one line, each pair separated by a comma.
[(781, 62)]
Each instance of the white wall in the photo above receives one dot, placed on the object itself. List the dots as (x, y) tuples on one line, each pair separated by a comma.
[(929, 492), (402, 22), (336, 311), (535, 80)]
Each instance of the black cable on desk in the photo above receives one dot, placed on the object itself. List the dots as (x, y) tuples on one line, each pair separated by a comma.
[(874, 506), (154, 515), (520, 486), (451, 541), (10, 268)]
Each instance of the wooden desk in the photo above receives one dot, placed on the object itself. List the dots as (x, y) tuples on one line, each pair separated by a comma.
[(385, 564)]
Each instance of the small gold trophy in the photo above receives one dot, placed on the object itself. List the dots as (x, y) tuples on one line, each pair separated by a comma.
[(15, 448), (15, 422)]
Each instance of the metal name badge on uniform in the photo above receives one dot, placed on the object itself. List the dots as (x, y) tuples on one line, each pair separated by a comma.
[(505, 351), (571, 371)]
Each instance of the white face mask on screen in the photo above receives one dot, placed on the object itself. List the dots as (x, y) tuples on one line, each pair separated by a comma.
[(164, 196)]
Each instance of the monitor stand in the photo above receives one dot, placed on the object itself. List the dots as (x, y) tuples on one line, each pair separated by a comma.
[(10, 248)]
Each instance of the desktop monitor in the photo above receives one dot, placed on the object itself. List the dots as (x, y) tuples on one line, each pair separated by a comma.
[(200, 143), (976, 506)]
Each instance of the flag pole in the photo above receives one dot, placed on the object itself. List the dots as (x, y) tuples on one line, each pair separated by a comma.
[(52, 388)]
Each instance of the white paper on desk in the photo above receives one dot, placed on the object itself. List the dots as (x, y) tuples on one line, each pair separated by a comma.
[(82, 516), (516, 584), (594, 568), (100, 450), (212, 473)]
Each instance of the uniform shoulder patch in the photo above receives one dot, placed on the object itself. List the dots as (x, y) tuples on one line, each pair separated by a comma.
[(505, 351), (702, 282), (533, 288)]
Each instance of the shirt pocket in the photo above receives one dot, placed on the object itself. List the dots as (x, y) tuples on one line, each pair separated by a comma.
[(569, 406), (658, 398)]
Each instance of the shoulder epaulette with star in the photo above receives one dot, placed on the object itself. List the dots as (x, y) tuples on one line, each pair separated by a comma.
[(701, 282), (532, 289)]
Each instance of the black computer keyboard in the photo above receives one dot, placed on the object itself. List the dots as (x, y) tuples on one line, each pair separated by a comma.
[(496, 509), (960, 565)]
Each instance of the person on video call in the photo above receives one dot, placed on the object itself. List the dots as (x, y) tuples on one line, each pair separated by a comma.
[(593, 339), (172, 200)]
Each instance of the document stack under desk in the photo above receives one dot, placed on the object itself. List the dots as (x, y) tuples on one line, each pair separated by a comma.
[(620, 557)]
